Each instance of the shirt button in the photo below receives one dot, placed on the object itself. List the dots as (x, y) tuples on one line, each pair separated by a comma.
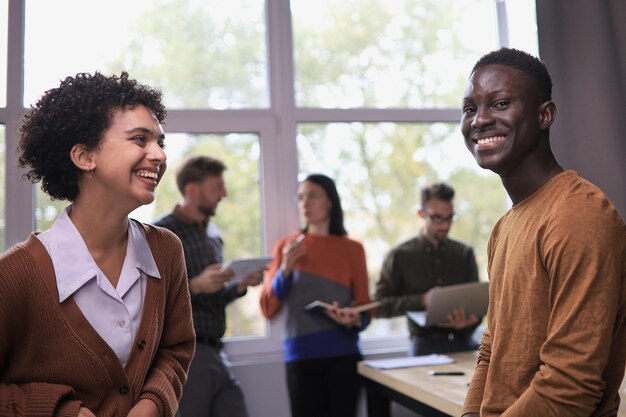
[(141, 345), (124, 389), (121, 323)]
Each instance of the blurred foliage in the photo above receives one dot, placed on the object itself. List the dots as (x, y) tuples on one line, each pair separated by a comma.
[(374, 53), (201, 53)]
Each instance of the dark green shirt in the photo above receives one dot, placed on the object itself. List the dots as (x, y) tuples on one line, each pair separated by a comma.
[(414, 267)]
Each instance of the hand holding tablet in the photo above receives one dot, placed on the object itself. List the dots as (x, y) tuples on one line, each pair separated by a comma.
[(243, 266)]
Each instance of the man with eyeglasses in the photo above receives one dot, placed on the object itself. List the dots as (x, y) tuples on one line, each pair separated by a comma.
[(431, 259)]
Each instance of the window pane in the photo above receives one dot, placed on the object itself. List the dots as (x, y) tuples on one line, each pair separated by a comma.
[(380, 169), (4, 15), (238, 215), (201, 53), (388, 53), (522, 23), (2, 181)]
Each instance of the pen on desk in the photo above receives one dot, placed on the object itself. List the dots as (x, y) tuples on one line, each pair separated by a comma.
[(445, 373)]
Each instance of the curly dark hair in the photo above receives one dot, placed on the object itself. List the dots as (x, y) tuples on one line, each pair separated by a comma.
[(79, 111), (529, 66)]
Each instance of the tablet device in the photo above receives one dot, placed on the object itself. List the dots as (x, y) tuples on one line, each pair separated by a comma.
[(472, 296), (244, 266)]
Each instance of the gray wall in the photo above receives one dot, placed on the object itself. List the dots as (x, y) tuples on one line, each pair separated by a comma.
[(583, 43)]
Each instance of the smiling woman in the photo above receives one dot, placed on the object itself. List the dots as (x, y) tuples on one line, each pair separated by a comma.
[(112, 293)]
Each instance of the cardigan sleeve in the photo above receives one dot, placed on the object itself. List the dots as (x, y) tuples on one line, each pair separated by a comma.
[(168, 371), (31, 398), (38, 399)]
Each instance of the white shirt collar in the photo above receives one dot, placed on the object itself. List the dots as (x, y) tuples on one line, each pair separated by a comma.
[(73, 264)]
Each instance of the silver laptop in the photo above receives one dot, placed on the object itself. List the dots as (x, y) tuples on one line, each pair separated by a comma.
[(472, 296)]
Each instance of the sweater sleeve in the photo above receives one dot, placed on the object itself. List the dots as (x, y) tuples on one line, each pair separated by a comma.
[(475, 393), (29, 398), (360, 285), (38, 399), (270, 304), (472, 276), (389, 291), (583, 251), (168, 371), (474, 396)]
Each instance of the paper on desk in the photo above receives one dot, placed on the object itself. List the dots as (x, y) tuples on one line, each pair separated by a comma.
[(409, 361)]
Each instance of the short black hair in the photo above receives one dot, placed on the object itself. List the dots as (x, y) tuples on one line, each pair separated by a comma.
[(197, 168), (440, 191), (79, 111), (336, 226), (528, 65)]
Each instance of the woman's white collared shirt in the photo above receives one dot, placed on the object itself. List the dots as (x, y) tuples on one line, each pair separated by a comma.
[(115, 313)]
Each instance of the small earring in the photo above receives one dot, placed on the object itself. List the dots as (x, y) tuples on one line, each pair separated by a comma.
[(91, 173)]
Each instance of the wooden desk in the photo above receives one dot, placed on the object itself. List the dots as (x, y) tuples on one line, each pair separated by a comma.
[(432, 396)]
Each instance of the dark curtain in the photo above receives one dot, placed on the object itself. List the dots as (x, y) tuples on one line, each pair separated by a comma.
[(583, 43)]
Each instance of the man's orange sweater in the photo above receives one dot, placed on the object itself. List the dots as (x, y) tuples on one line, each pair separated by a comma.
[(556, 339)]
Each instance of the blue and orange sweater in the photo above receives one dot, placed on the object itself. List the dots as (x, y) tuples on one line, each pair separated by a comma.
[(333, 269)]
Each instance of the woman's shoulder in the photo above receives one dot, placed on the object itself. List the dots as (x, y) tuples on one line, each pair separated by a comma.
[(292, 236), (347, 242), (19, 263), (29, 249)]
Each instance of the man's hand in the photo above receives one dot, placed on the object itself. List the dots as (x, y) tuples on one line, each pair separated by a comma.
[(346, 316), (210, 280), (292, 251), (144, 408), (426, 298), (85, 412), (458, 319), (251, 280)]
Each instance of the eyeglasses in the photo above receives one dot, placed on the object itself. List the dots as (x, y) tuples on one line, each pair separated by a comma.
[(437, 218)]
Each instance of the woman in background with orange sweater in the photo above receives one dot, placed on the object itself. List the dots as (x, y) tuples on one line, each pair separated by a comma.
[(321, 263)]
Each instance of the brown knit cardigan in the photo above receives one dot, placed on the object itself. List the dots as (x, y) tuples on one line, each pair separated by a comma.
[(52, 361)]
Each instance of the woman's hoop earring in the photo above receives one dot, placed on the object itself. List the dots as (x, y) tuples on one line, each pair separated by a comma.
[(91, 173)]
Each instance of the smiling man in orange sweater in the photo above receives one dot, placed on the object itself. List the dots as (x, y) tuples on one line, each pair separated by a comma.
[(555, 343)]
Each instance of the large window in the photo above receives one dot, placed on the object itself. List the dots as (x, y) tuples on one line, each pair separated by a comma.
[(202, 53), (366, 91), (379, 53)]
